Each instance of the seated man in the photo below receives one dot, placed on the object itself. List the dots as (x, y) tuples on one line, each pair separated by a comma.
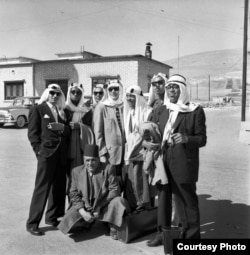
[(94, 195)]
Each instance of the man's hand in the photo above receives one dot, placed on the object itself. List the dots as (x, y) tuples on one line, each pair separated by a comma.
[(151, 146), (87, 216), (179, 138), (96, 213), (103, 159), (56, 126), (74, 125)]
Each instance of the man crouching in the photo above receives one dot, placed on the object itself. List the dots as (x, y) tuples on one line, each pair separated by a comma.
[(94, 195)]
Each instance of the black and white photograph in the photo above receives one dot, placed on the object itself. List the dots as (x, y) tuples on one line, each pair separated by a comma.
[(124, 127)]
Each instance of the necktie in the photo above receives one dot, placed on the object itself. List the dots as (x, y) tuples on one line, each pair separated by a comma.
[(91, 189), (130, 124), (118, 116), (55, 112)]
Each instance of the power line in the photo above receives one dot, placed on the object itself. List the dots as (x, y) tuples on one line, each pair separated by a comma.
[(177, 19), (56, 22), (146, 12)]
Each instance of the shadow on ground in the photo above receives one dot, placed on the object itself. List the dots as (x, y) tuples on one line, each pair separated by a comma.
[(219, 219), (98, 229), (12, 126), (223, 219)]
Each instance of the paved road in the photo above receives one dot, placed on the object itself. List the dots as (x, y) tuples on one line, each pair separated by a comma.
[(223, 190)]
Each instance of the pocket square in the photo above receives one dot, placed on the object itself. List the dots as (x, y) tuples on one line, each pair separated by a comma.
[(46, 116)]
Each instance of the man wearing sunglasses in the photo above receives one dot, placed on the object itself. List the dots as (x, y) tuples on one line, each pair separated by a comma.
[(183, 129), (156, 92), (79, 117), (48, 133), (99, 94), (109, 127)]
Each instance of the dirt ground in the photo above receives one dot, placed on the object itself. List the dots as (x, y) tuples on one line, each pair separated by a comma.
[(223, 189)]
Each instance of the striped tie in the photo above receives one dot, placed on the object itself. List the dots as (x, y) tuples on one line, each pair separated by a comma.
[(55, 112), (130, 126), (118, 116)]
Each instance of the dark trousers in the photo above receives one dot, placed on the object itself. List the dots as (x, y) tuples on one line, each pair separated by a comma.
[(164, 211), (187, 206), (50, 184)]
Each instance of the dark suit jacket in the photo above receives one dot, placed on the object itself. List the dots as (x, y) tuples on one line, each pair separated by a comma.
[(182, 160), (104, 181), (86, 119), (44, 141)]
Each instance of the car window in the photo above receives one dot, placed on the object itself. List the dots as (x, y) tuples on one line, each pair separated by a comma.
[(17, 102), (27, 101)]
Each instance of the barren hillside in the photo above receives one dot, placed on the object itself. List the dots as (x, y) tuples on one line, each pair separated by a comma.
[(224, 68)]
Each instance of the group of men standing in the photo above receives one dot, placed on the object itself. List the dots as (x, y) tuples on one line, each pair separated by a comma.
[(112, 149)]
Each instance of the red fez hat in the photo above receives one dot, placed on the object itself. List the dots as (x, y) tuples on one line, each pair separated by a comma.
[(91, 150)]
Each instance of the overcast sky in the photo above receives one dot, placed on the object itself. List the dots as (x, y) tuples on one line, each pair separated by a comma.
[(41, 28)]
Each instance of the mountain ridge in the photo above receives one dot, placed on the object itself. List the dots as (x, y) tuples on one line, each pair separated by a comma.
[(211, 73), (226, 62)]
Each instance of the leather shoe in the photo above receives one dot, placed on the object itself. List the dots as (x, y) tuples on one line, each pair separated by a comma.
[(114, 234), (35, 231), (157, 241), (53, 223)]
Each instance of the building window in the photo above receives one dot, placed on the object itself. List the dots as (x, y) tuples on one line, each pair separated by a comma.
[(103, 80), (13, 89)]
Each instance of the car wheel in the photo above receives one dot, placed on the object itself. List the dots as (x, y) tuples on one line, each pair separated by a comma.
[(1, 124), (20, 122)]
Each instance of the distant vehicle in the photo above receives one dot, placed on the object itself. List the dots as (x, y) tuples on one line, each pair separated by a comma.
[(18, 111)]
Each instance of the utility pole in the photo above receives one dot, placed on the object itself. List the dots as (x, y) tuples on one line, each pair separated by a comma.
[(190, 90), (197, 90), (244, 70), (178, 52), (209, 87)]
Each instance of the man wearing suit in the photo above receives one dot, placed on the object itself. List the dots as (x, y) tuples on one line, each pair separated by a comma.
[(183, 129), (108, 127), (94, 195), (47, 133)]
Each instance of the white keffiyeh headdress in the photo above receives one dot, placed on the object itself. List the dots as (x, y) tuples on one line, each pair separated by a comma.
[(80, 109), (109, 101), (139, 112), (182, 105), (151, 96), (60, 104)]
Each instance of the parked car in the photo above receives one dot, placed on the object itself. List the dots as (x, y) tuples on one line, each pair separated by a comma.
[(18, 111)]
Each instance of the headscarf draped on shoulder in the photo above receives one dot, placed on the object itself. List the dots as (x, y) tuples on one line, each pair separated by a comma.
[(183, 104)]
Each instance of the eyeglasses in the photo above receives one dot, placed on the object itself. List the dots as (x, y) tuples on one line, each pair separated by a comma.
[(113, 88), (52, 93), (75, 92), (160, 82), (172, 86), (97, 92)]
